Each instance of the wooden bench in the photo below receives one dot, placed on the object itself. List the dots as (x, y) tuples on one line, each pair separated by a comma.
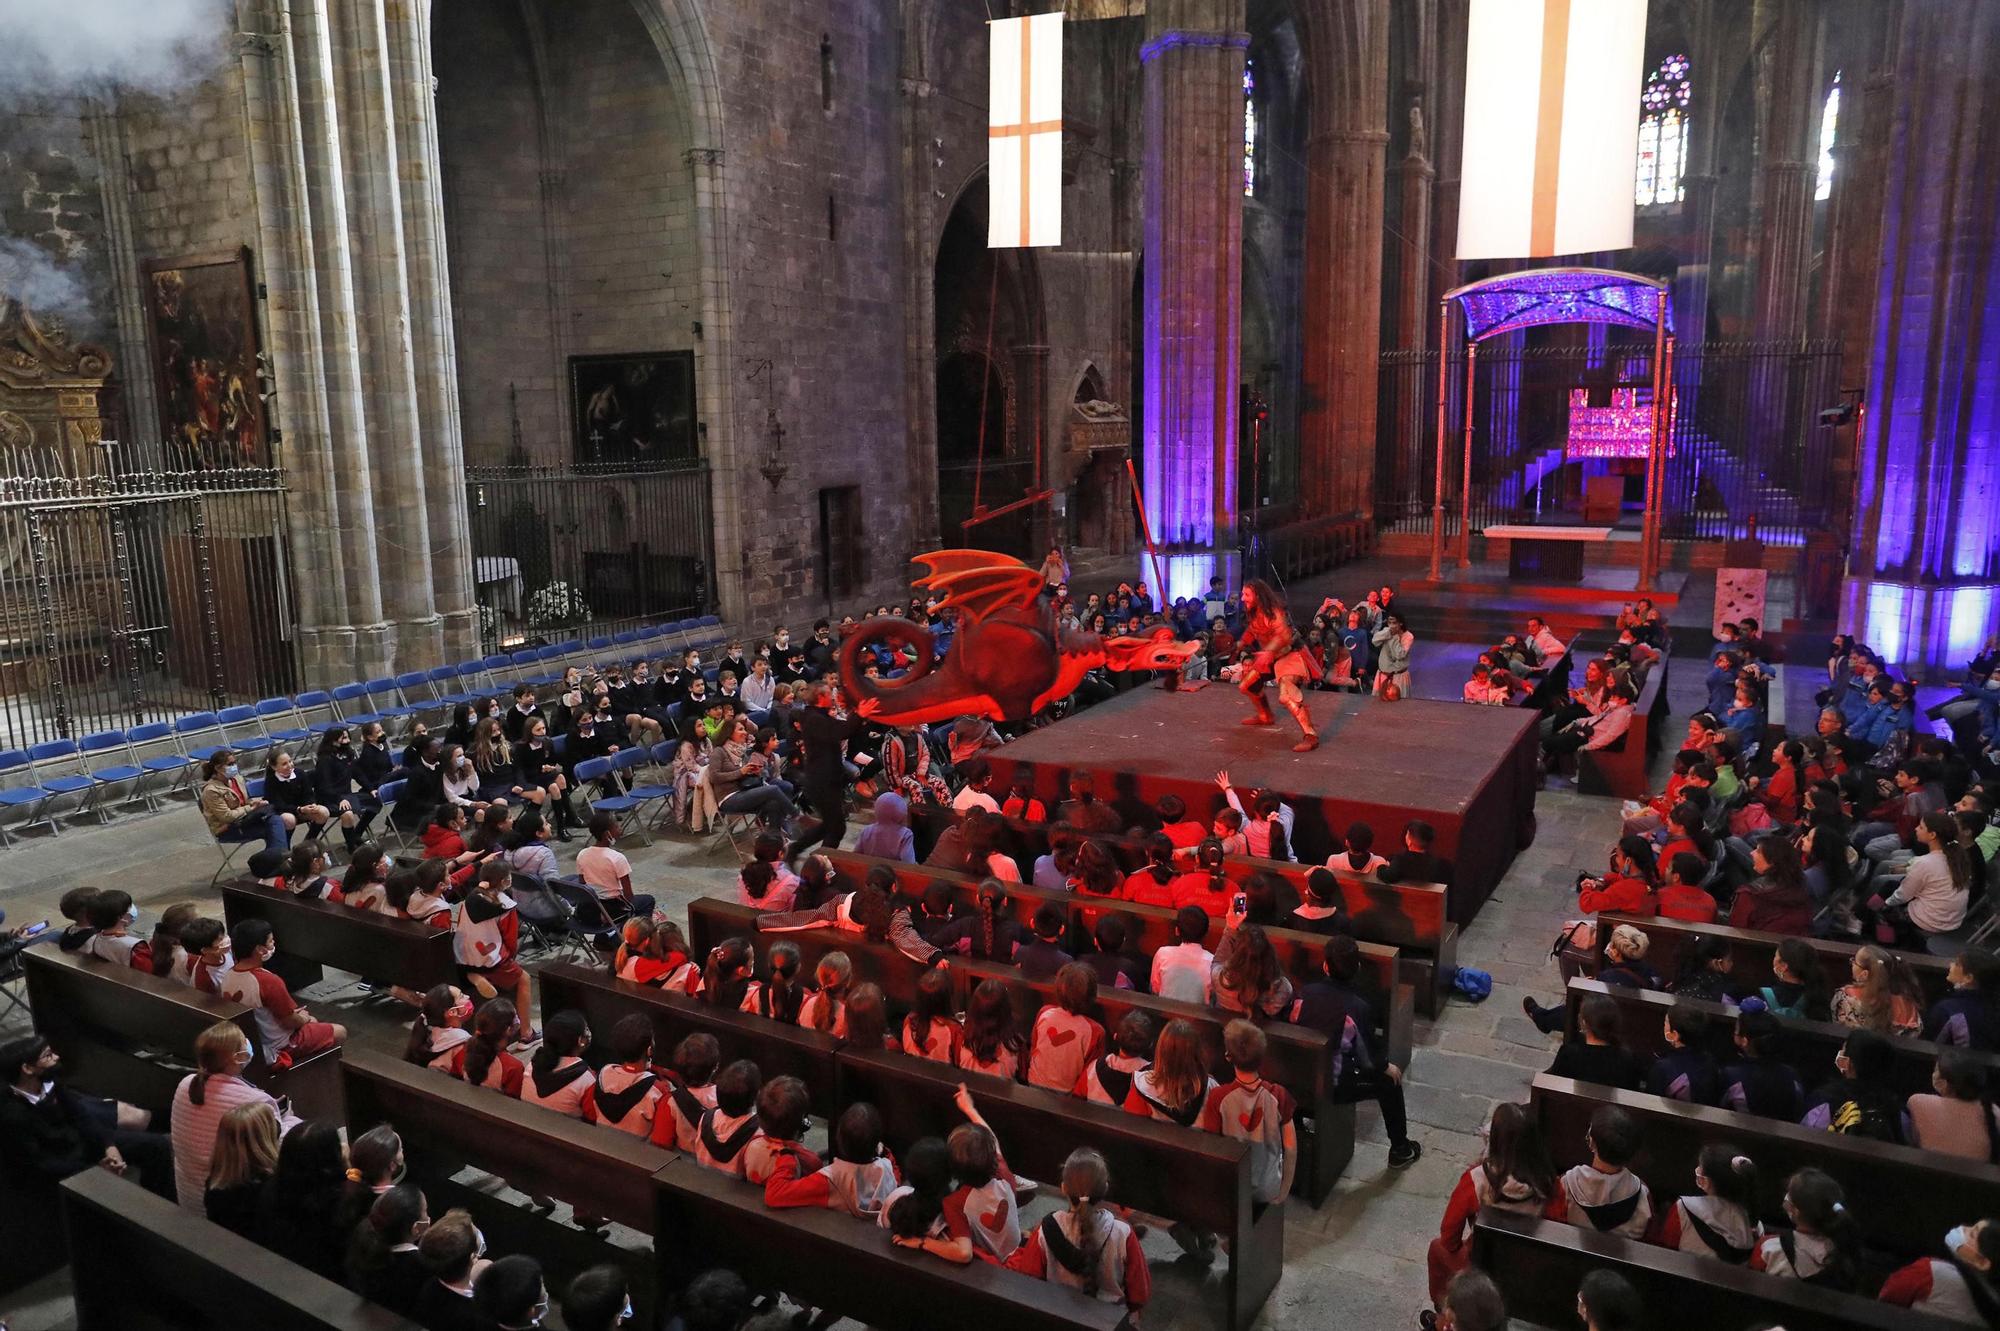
[(827, 1259), (1540, 1263), (1902, 1197), (143, 1262), (1751, 951), (1808, 1046), (779, 1049), (1620, 769), (360, 942), (129, 1035), (1161, 1169)]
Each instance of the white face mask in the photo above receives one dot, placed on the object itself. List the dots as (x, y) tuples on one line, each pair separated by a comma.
[(1960, 1237)]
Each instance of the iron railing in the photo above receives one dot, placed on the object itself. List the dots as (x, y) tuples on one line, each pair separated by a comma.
[(139, 596), (1747, 450), (565, 552)]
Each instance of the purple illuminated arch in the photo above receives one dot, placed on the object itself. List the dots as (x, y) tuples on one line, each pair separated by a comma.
[(1513, 301)]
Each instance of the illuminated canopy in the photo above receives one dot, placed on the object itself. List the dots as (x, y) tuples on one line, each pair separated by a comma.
[(1513, 301)]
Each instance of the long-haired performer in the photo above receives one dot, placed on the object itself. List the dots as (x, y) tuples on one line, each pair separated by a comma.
[(1280, 651)]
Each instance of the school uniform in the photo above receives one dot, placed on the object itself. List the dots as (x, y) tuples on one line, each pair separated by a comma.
[(1060, 1045), (1804, 1257), (989, 1214), (1005, 1064), (114, 948), (1105, 1263), (430, 907), (272, 1003), (442, 1308), (1608, 1203), (503, 1074), (1942, 1289), (1040, 959), (809, 1014), (674, 973), (943, 1227), (1772, 1089), (1708, 1226), (1688, 1075), (1256, 1112), (767, 1157), (1108, 1080), (568, 1088), (941, 1041), (1147, 888), (399, 1283), (487, 938), (1966, 1018), (319, 888), (1144, 1099), (628, 1099), (1451, 1251), (678, 1124), (861, 1190), (720, 1140), (446, 1042)]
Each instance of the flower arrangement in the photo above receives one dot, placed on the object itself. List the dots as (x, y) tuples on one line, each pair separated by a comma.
[(557, 605)]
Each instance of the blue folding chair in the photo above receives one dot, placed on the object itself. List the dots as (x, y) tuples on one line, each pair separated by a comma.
[(21, 800), (625, 806), (389, 792), (252, 789), (58, 769), (117, 782), (347, 716), (243, 729), (192, 730), (161, 764), (281, 721)]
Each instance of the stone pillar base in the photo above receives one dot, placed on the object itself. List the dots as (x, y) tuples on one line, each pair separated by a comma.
[(1921, 625)]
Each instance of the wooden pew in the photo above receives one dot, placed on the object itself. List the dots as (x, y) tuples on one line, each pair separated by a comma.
[(1383, 976), (777, 1048), (536, 1150), (1540, 1263), (1408, 917), (1751, 951), (361, 942), (111, 1024), (830, 1260), (142, 1262), (1161, 1169), (1621, 769), (1903, 1198), (1809, 1045)]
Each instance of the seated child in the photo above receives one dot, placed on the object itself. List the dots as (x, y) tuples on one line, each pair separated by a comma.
[(1604, 1195), (654, 952), (629, 1087), (1718, 1220), (1108, 1080), (1823, 1247), (777, 1150), (1064, 1038), (1687, 1070), (1181, 970), (985, 1202), (778, 994), (443, 1025), (1043, 955), (488, 938), (825, 1008), (1761, 1083), (990, 1043), (288, 1032), (930, 1031), (1958, 1287), (690, 1092), (112, 916), (483, 1060), (728, 1128), (1248, 1108), (1087, 1246), (915, 1213), (859, 1178)]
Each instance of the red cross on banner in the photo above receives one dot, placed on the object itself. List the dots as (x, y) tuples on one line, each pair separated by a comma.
[(1024, 133)]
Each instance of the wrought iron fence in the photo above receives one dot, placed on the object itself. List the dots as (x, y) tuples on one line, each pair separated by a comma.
[(1746, 446), (562, 552), (138, 596)]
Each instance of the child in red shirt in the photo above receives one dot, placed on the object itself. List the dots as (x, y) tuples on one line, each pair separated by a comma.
[(729, 1127), (859, 1178), (443, 1025), (1684, 898), (483, 1060), (654, 953), (1064, 1040), (776, 1151), (1629, 885), (1182, 832), (286, 1031), (985, 1203), (629, 1088), (1253, 1110), (487, 940), (1153, 885), (690, 1092), (1087, 1247), (930, 1031)]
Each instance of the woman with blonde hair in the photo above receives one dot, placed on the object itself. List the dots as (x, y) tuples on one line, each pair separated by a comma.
[(241, 1165), (204, 1097)]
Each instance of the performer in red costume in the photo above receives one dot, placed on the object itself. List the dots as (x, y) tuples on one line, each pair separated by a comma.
[(1280, 651)]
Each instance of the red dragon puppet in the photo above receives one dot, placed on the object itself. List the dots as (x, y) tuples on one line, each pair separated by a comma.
[(1008, 659)]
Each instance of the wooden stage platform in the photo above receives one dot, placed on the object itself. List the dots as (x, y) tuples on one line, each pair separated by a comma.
[(1468, 771)]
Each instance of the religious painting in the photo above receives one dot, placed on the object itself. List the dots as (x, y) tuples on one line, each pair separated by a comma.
[(633, 410), (203, 323)]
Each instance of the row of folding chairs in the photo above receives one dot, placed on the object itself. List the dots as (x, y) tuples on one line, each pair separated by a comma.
[(140, 767)]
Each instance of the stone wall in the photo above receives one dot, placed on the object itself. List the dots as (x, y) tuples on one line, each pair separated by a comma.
[(188, 164), (49, 202)]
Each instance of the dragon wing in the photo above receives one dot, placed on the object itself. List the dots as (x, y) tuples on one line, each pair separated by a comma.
[(978, 583)]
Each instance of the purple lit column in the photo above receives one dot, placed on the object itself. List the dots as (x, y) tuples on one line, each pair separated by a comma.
[(1926, 560), (1193, 65)]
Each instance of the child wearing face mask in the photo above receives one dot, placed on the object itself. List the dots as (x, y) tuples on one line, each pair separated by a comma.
[(287, 1031), (221, 1053), (1957, 1287), (442, 1028), (112, 914)]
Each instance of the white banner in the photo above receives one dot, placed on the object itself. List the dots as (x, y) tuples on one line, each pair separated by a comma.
[(1024, 133), (1551, 127)]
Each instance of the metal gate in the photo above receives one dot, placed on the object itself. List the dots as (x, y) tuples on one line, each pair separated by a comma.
[(140, 597)]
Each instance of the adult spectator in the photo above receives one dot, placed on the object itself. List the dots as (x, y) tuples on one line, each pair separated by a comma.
[(1548, 648), (1776, 900), (221, 1053), (49, 1132), (743, 780), (230, 813), (1591, 733), (823, 777), (1935, 891)]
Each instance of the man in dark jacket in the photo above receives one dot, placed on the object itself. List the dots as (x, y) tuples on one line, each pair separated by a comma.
[(823, 772), (1332, 1004), (1415, 863), (49, 1132)]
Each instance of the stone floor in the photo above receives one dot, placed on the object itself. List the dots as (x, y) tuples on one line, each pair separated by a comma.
[(1358, 1261)]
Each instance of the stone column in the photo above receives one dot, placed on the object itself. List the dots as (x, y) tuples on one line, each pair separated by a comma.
[(1347, 57), (1924, 579), (1033, 432), (1414, 308), (1193, 66), (114, 184), (920, 240)]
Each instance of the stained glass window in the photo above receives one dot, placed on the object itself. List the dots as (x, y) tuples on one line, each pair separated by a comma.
[(1663, 132), (1249, 129), (1828, 121)]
